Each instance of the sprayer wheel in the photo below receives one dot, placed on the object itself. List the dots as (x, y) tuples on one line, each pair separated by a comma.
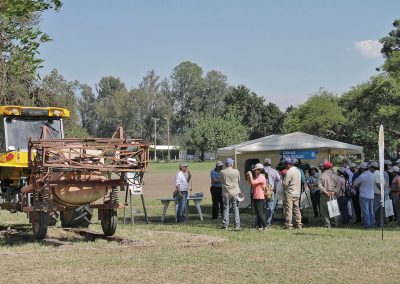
[(76, 217), (40, 222), (109, 221)]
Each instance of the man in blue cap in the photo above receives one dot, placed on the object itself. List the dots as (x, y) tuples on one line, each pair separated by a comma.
[(230, 192), (216, 189), (292, 189)]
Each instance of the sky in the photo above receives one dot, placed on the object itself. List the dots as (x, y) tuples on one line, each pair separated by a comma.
[(283, 50)]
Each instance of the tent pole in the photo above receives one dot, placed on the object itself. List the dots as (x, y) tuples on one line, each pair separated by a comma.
[(236, 162), (382, 216)]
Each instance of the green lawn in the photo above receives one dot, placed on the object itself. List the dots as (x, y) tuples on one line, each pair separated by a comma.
[(172, 253), (174, 166)]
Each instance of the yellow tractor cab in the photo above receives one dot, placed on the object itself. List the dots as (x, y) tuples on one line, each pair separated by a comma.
[(18, 125)]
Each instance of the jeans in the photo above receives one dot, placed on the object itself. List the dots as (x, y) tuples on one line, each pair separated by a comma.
[(180, 217), (396, 205), (367, 208), (344, 212), (356, 206), (269, 207), (259, 210), (227, 201), (315, 199), (217, 205), (377, 208)]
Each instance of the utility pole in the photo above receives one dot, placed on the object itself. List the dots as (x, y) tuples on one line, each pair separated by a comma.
[(169, 154), (155, 138)]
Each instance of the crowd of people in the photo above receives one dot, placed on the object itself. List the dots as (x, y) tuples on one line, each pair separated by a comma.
[(357, 189)]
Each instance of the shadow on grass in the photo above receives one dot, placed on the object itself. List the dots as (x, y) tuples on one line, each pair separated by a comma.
[(247, 220)]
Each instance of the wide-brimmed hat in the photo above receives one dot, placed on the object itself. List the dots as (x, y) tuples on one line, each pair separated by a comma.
[(363, 165), (394, 169), (219, 164)]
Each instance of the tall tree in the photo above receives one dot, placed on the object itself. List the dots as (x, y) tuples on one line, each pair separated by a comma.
[(87, 109), (391, 42), (152, 102), (62, 94), (215, 89), (20, 38), (186, 93), (273, 119), (369, 105), (320, 115), (260, 119), (113, 112), (108, 86), (210, 133), (391, 50)]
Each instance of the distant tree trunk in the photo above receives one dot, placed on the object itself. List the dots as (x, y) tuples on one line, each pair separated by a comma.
[(202, 154)]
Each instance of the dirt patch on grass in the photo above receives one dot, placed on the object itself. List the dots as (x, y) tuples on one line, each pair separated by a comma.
[(161, 184), (186, 239)]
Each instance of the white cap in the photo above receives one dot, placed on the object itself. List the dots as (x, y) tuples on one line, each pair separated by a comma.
[(258, 167)]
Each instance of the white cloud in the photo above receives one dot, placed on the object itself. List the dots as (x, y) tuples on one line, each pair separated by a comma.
[(368, 48)]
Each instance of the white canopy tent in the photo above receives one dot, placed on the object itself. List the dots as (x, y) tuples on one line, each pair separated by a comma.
[(273, 146)]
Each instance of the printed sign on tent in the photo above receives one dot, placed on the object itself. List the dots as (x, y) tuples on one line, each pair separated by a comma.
[(300, 154)]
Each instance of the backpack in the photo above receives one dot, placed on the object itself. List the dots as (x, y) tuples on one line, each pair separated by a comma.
[(267, 189)]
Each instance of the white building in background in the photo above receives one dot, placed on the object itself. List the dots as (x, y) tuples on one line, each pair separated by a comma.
[(177, 154)]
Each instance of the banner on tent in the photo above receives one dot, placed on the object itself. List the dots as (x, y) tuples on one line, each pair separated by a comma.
[(300, 154)]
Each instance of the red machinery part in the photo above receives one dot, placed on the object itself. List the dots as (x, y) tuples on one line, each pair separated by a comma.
[(9, 157)]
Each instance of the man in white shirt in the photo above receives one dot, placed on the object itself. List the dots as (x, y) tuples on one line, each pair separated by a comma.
[(181, 193), (274, 179)]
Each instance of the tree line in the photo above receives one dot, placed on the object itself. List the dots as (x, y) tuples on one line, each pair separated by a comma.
[(202, 110), (356, 115)]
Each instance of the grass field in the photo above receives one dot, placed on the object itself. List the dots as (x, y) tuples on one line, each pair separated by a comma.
[(200, 252)]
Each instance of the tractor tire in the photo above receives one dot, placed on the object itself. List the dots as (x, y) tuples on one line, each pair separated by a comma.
[(40, 223), (77, 217), (109, 221)]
